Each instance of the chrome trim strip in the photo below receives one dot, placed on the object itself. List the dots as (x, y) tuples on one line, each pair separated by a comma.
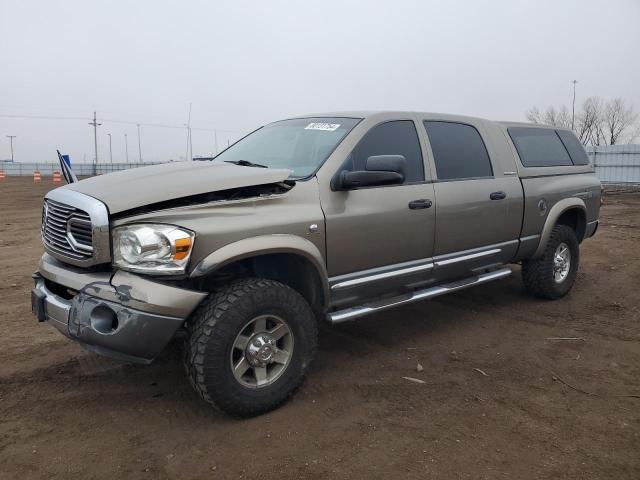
[(72, 240), (359, 311), (530, 238), (381, 276), (440, 263), (99, 215)]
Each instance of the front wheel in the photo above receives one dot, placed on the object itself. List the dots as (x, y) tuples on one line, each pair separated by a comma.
[(250, 346), (553, 274)]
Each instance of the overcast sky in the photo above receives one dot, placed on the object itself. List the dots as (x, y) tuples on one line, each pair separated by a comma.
[(242, 64)]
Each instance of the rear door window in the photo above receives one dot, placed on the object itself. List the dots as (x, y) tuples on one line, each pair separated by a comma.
[(458, 151), (539, 147)]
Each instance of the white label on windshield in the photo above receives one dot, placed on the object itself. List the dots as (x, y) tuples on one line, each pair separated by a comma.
[(327, 127)]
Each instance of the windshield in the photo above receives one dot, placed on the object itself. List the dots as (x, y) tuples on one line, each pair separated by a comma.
[(300, 145)]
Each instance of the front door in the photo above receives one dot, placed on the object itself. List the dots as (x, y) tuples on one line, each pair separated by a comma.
[(380, 239)]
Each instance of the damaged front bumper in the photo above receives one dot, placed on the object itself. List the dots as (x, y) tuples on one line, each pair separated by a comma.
[(120, 315)]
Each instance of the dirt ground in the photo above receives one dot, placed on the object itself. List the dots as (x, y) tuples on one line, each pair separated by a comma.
[(542, 408)]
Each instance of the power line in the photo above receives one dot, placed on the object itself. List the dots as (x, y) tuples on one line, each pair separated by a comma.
[(126, 122)]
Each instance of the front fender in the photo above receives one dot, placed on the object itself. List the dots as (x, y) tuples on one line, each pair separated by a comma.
[(263, 245), (552, 218)]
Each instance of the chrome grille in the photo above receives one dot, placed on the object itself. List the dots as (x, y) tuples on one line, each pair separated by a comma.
[(67, 230)]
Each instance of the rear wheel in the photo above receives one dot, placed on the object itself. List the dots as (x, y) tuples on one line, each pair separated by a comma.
[(250, 346), (553, 274)]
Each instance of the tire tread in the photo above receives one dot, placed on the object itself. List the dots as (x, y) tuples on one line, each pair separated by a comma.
[(537, 274), (208, 332)]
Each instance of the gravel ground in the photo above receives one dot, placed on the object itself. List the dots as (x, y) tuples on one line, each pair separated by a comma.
[(500, 398)]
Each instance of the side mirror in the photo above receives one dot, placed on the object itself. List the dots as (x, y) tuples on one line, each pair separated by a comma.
[(380, 170), (387, 163)]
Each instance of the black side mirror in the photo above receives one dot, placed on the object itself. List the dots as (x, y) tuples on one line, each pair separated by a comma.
[(387, 163), (380, 170)]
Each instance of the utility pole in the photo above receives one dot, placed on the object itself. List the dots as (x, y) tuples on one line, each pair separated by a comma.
[(215, 140), (110, 150), (126, 148), (139, 144), (95, 126), (186, 157), (191, 144), (11, 137), (573, 108)]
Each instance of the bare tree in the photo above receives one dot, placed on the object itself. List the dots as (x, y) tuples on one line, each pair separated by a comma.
[(618, 118), (633, 134), (559, 118), (588, 125), (551, 116), (533, 115), (598, 123)]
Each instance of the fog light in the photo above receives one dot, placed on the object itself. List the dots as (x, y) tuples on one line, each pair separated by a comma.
[(104, 319)]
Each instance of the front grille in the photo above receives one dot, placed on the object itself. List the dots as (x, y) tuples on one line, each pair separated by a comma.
[(67, 230)]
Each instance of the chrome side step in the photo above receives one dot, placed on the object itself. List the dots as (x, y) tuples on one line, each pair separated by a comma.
[(350, 313)]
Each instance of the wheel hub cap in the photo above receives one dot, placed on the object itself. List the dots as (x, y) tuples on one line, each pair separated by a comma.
[(261, 350), (561, 263)]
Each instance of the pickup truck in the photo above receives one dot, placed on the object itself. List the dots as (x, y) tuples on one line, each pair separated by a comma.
[(326, 217)]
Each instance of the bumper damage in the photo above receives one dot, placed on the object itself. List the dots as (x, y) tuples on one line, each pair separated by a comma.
[(123, 316)]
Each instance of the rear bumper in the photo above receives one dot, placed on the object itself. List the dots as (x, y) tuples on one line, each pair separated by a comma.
[(592, 228), (129, 317)]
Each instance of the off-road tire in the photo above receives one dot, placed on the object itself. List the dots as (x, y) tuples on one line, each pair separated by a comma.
[(538, 274), (213, 329)]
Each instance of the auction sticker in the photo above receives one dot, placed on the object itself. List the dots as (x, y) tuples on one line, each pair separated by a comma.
[(327, 127)]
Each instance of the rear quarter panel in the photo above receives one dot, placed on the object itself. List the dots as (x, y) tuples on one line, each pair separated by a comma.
[(552, 189)]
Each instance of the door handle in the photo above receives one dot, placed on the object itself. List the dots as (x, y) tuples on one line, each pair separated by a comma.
[(420, 203), (498, 196)]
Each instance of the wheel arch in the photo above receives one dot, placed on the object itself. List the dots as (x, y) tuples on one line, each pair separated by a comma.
[(292, 260), (568, 211)]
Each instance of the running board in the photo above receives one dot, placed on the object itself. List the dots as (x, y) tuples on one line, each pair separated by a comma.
[(340, 316)]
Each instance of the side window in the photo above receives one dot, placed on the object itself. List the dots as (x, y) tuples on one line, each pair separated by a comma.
[(398, 137), (539, 147), (458, 151), (574, 147)]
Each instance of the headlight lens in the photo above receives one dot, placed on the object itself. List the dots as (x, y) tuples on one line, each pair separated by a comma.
[(152, 248)]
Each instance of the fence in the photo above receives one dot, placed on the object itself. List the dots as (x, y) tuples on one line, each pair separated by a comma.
[(616, 164), (80, 169)]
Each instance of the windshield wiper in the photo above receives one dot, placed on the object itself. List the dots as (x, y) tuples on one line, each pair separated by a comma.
[(245, 163)]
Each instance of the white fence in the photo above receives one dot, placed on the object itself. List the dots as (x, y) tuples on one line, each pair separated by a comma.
[(616, 164)]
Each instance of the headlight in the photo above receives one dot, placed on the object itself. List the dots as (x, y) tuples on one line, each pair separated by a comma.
[(152, 248)]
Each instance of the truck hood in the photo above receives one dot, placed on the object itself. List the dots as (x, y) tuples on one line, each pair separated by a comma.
[(138, 187)]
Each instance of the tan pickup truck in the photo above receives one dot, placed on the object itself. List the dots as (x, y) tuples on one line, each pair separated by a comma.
[(326, 217)]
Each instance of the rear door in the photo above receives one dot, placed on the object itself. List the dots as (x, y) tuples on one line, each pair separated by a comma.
[(479, 204)]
